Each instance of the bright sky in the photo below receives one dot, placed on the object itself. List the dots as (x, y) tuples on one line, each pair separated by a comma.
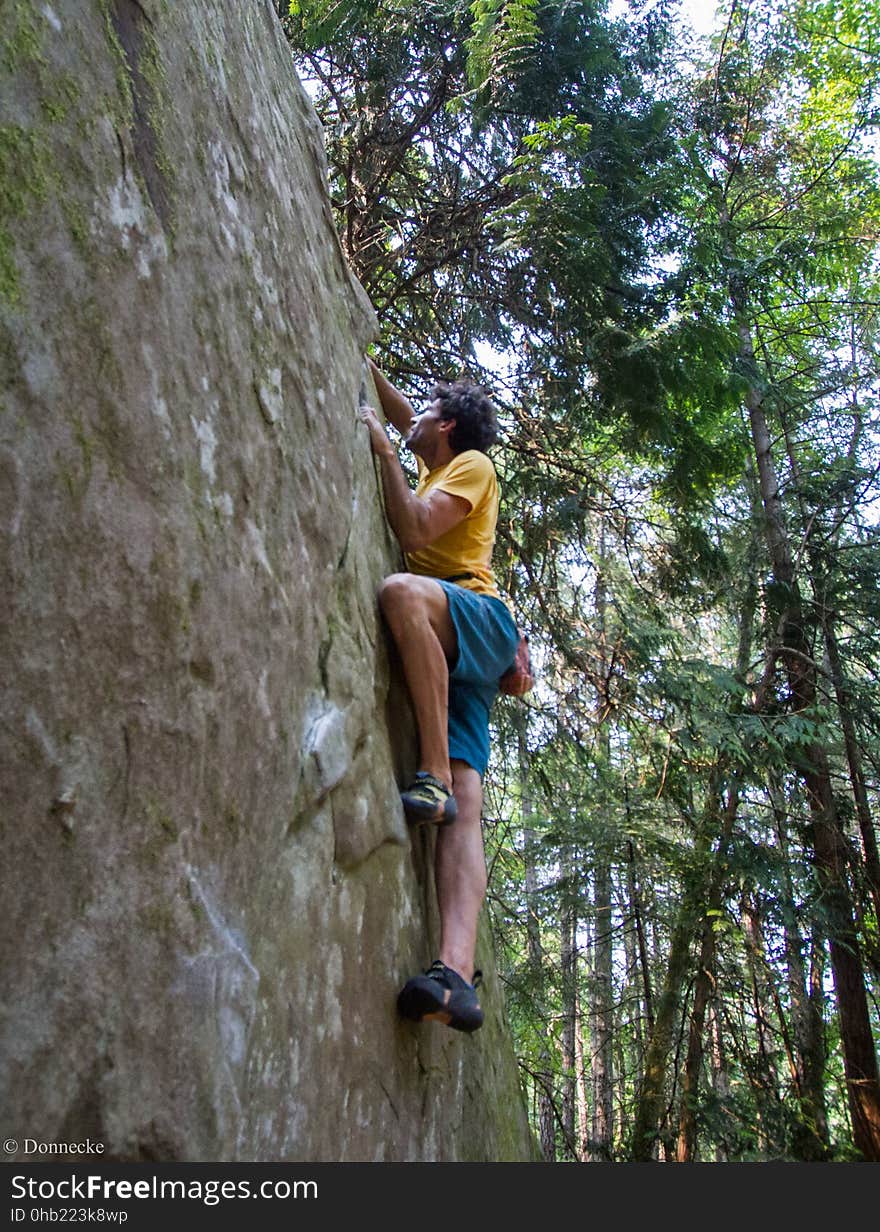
[(702, 14)]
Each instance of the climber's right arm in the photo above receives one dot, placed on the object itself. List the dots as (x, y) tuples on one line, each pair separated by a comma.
[(398, 409)]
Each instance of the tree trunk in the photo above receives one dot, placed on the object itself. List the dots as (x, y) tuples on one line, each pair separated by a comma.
[(763, 1076), (583, 1100), (806, 1010), (687, 1119), (720, 1079), (637, 916), (602, 1017), (544, 1075), (705, 981), (703, 989), (568, 957), (860, 1060), (854, 761), (702, 886), (634, 950), (652, 1097)]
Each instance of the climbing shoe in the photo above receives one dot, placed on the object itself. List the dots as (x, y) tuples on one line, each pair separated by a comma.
[(441, 995), (428, 800)]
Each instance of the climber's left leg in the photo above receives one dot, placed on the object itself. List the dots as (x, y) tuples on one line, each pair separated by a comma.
[(446, 992), (460, 873)]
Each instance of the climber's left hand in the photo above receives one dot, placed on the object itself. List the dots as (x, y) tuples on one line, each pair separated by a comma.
[(378, 436)]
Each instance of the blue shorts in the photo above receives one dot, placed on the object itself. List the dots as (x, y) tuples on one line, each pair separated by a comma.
[(487, 642)]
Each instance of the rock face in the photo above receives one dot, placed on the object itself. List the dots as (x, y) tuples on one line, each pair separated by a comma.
[(210, 895)]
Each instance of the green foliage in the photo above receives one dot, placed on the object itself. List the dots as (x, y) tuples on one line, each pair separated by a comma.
[(322, 22), (662, 252), (504, 33)]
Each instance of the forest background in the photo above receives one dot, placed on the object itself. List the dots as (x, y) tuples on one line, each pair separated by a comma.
[(659, 252)]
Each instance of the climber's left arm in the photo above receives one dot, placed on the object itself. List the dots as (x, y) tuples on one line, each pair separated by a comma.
[(398, 408), (416, 522)]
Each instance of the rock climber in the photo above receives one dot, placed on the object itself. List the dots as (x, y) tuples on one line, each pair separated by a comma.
[(456, 638)]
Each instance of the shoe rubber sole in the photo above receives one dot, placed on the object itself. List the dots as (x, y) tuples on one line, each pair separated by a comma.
[(424, 1000), (419, 814)]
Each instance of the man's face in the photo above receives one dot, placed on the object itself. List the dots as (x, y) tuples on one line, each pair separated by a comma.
[(426, 431)]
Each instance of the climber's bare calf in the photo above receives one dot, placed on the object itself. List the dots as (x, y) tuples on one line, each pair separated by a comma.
[(460, 873)]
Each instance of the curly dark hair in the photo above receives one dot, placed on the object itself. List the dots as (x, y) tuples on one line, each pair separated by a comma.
[(476, 424)]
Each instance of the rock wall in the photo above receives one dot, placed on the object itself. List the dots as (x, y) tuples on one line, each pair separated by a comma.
[(210, 895)]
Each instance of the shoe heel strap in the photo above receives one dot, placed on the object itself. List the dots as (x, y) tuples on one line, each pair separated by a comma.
[(422, 776)]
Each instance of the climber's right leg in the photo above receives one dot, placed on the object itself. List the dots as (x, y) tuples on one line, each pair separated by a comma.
[(417, 612)]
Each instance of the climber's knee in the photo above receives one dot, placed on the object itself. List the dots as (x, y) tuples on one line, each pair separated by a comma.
[(408, 600), (407, 595), (395, 592)]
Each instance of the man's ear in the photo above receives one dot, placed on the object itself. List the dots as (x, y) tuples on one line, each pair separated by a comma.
[(446, 426)]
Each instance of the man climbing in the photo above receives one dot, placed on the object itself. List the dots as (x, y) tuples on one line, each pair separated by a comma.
[(456, 638)]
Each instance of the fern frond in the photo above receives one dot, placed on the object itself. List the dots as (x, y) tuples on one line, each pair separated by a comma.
[(503, 34)]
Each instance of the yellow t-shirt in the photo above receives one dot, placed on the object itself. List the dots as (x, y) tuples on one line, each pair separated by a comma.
[(467, 547)]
